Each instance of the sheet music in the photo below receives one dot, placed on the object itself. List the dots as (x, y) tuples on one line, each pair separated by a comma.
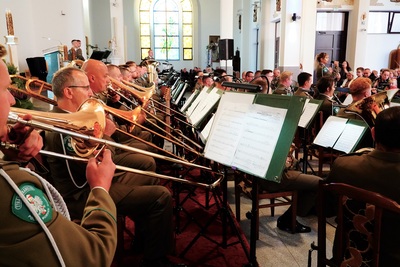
[(348, 100), (349, 137), (391, 93), (205, 106), (226, 132), (203, 94), (308, 113), (206, 131), (189, 100), (330, 132), (394, 104), (258, 139)]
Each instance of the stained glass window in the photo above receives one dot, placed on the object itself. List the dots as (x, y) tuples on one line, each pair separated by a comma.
[(166, 26)]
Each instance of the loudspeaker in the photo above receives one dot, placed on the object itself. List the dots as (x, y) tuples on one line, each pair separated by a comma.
[(225, 49)]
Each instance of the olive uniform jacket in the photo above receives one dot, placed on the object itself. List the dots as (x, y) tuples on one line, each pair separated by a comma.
[(379, 172), (24, 243)]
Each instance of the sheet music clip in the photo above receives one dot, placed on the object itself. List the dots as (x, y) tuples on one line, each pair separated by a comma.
[(246, 86)]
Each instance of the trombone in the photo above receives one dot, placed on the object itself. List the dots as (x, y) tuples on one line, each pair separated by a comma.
[(140, 96), (144, 89), (91, 137), (127, 169), (40, 86), (131, 117)]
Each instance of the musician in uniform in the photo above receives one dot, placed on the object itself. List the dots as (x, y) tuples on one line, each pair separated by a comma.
[(306, 186), (149, 206), (98, 76), (378, 171), (360, 89), (125, 103), (305, 81), (23, 242), (322, 70), (75, 52), (285, 82), (326, 89)]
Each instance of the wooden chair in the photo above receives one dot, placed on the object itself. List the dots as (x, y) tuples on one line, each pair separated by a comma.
[(276, 199), (366, 208)]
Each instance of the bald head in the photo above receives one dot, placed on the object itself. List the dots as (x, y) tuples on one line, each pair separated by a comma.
[(97, 74)]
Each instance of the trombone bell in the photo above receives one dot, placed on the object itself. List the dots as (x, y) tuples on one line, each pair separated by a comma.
[(89, 120)]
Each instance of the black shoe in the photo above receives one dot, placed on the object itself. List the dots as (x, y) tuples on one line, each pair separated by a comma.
[(285, 225), (164, 262)]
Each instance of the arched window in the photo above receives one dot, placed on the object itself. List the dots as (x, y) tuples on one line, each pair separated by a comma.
[(166, 26)]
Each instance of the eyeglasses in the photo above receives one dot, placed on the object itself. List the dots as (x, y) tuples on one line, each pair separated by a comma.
[(86, 87)]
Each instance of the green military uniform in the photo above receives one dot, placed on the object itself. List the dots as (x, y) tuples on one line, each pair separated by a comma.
[(379, 172), (23, 241)]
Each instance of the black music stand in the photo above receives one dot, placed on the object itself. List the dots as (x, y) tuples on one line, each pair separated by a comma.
[(310, 118), (225, 213), (221, 151), (100, 55)]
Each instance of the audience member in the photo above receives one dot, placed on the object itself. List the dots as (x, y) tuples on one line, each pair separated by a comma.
[(344, 70), (383, 81), (249, 76), (275, 80)]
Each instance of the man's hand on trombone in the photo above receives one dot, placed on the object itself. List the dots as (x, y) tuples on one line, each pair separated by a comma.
[(28, 140)]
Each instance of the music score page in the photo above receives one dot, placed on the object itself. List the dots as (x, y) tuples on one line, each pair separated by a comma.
[(244, 135)]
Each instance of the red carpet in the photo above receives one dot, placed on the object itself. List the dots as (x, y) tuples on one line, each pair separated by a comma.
[(203, 252)]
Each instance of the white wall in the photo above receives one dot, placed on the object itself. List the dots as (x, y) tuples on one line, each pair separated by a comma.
[(36, 19)]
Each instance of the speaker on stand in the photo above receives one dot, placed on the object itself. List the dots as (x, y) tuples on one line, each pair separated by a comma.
[(225, 50)]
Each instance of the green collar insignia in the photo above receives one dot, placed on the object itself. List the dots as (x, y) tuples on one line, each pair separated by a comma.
[(37, 199)]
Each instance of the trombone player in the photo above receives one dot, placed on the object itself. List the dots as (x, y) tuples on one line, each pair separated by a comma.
[(360, 89), (149, 206), (93, 241)]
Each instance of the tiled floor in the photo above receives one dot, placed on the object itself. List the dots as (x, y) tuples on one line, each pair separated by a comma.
[(276, 247)]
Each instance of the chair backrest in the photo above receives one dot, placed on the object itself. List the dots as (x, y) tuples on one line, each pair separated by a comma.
[(359, 219)]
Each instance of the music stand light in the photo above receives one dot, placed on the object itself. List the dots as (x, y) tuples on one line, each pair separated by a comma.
[(244, 86)]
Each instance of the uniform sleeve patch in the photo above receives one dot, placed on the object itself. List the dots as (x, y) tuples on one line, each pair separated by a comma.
[(36, 199)]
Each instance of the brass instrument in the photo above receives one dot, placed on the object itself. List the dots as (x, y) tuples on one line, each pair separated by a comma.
[(110, 87), (86, 138), (144, 89), (151, 65), (131, 117), (127, 169), (89, 120), (34, 87), (142, 96), (369, 107), (77, 63), (128, 115)]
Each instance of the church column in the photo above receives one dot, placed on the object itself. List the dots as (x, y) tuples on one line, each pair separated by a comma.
[(226, 30), (117, 32), (357, 34), (289, 49), (308, 22)]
